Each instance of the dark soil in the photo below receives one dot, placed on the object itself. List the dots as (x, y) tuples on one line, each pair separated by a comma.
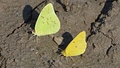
[(99, 18)]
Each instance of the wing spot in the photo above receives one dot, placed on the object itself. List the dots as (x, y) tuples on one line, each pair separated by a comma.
[(42, 16), (47, 23), (73, 42), (75, 46), (47, 19)]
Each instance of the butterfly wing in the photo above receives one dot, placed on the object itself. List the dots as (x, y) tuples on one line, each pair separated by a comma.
[(77, 46), (47, 22)]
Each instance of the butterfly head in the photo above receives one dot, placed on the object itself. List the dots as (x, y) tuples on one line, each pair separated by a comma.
[(63, 53)]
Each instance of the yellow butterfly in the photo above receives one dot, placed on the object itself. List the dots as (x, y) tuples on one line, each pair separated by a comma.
[(77, 46)]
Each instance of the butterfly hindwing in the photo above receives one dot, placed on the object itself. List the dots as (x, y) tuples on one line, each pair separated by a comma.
[(48, 22), (77, 46)]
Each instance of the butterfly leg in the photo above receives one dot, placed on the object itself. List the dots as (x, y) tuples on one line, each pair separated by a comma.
[(37, 39), (30, 37), (66, 58), (72, 59), (52, 36)]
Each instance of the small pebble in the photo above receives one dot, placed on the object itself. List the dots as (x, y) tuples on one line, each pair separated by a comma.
[(58, 40)]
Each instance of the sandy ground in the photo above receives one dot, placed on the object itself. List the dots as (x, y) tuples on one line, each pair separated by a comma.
[(99, 18)]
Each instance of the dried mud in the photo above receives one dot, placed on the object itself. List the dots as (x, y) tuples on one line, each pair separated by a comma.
[(99, 18)]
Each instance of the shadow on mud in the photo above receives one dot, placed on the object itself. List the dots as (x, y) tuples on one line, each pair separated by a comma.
[(30, 15), (63, 5), (67, 38)]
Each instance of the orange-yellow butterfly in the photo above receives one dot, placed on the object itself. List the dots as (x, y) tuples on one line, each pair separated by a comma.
[(77, 46), (47, 22)]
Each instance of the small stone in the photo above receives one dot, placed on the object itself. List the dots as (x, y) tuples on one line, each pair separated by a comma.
[(58, 40)]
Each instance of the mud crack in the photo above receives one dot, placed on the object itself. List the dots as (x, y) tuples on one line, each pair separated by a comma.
[(29, 17), (109, 38), (113, 44), (96, 26), (15, 30)]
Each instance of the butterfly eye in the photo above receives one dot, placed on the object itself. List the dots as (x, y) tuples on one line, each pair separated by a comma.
[(54, 22)]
